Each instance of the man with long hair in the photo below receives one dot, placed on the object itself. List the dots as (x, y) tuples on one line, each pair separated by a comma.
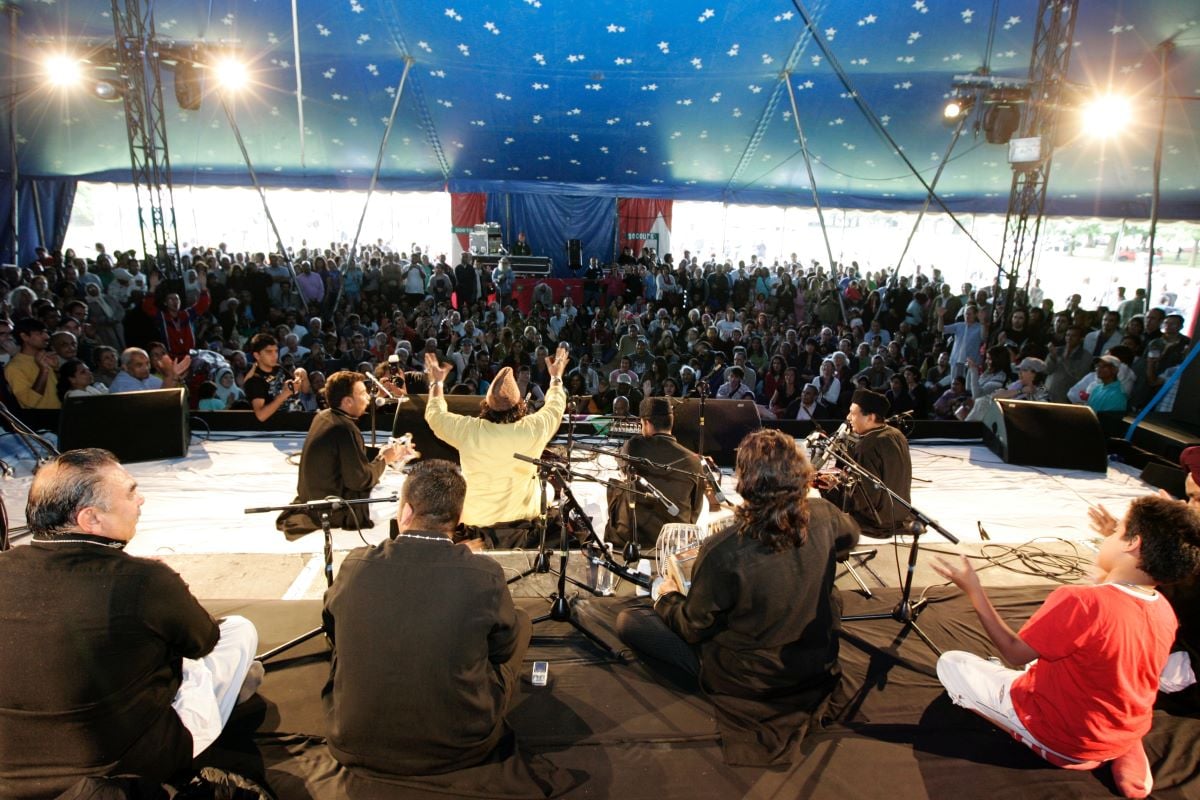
[(757, 628), (502, 491)]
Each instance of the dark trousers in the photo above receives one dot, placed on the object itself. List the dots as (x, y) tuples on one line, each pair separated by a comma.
[(643, 630)]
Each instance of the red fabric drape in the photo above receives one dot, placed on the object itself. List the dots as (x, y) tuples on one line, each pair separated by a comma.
[(466, 211), (638, 219)]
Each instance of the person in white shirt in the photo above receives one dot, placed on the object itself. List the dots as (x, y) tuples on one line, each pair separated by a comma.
[(733, 388), (726, 326)]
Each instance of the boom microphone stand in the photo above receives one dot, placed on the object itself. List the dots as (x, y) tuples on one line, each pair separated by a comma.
[(574, 520), (323, 507), (906, 611)]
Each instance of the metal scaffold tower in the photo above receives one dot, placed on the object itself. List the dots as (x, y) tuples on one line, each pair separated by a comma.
[(1052, 45), (138, 60)]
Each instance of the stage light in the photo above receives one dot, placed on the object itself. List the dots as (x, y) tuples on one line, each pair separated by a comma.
[(63, 70), (230, 73), (957, 108), (108, 89), (1106, 115)]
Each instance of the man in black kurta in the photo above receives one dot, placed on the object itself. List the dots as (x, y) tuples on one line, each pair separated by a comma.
[(758, 626), (883, 451), (422, 689), (685, 489), (334, 460), (93, 642)]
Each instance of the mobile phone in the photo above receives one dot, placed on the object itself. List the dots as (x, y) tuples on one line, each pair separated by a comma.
[(541, 673)]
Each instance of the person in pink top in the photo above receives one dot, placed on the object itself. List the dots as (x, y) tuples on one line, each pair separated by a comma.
[(1094, 652)]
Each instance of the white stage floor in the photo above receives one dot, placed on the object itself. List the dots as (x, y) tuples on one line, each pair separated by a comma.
[(195, 505)]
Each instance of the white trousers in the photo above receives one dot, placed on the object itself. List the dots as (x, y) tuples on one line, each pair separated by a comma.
[(982, 686), (210, 686)]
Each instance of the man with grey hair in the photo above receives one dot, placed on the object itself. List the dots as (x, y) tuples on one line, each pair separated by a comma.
[(135, 372), (132, 675)]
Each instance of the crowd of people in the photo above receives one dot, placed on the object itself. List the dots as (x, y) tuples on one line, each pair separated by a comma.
[(755, 627), (797, 338)]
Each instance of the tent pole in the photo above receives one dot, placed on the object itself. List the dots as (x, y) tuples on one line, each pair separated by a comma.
[(387, 132), (262, 196), (812, 183), (299, 79), (1164, 53), (14, 35), (929, 195)]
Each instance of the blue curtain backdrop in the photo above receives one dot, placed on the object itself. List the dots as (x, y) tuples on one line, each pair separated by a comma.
[(550, 220), (45, 206)]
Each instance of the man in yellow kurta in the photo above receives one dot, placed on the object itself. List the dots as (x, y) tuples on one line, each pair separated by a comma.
[(500, 489)]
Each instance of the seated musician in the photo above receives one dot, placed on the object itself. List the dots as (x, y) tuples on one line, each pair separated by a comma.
[(335, 462), (882, 451), (1094, 653), (757, 630), (684, 489), (502, 492), (425, 692)]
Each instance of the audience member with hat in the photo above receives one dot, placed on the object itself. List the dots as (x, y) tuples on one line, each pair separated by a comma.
[(502, 491), (882, 451)]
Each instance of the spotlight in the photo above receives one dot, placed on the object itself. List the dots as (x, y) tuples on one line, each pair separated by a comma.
[(188, 89), (230, 73), (107, 89), (1106, 115), (63, 70), (956, 108), (1000, 122)]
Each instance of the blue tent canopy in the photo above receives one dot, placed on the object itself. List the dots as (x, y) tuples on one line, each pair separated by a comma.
[(678, 98)]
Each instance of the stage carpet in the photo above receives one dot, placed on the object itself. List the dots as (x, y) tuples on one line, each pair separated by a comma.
[(612, 728)]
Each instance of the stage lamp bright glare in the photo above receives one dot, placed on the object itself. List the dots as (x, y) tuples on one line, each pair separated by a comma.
[(952, 110), (63, 70), (231, 74), (1107, 115)]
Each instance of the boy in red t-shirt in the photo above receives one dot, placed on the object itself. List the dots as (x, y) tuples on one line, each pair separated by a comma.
[(1097, 651)]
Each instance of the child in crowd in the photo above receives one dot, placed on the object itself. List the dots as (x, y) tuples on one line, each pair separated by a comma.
[(1094, 653)]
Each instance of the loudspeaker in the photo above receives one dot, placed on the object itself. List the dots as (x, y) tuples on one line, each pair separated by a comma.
[(1173, 479), (410, 418), (1053, 435), (1000, 122), (189, 90), (135, 426), (574, 254), (726, 423)]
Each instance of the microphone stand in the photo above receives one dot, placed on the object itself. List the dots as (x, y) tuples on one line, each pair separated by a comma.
[(714, 482), (906, 611), (632, 550), (323, 507), (575, 520)]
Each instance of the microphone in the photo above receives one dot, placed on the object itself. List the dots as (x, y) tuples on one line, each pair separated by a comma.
[(901, 417), (649, 488)]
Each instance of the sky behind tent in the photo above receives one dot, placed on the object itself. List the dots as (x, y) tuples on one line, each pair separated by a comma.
[(674, 99)]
